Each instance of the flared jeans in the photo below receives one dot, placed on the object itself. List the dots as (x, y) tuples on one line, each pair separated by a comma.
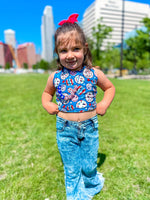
[(78, 144)]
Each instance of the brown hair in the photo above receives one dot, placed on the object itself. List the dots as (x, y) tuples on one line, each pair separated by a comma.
[(69, 27)]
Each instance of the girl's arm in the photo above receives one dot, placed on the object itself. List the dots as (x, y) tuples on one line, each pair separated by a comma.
[(109, 92), (47, 97)]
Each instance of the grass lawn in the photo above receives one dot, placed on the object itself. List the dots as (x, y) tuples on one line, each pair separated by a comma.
[(30, 165)]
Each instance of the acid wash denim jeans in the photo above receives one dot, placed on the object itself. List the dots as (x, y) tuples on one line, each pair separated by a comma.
[(78, 144)]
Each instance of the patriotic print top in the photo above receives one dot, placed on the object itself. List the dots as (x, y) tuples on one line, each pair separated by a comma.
[(75, 90)]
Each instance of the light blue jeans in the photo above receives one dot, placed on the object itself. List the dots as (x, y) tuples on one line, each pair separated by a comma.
[(78, 144)]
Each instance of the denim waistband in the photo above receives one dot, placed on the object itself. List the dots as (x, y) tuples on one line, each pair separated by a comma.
[(75, 123)]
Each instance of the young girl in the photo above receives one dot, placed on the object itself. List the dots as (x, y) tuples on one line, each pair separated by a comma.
[(76, 109)]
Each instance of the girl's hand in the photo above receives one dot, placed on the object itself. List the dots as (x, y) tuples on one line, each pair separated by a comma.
[(101, 108), (52, 108)]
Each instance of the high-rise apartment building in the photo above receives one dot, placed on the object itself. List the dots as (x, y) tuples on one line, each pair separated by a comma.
[(26, 54), (47, 32), (10, 37), (111, 13), (5, 55), (2, 59)]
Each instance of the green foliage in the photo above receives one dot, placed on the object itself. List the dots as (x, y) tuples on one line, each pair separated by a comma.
[(25, 66), (31, 167), (138, 46), (134, 55), (144, 36), (90, 44), (128, 64), (131, 52), (146, 22), (7, 66), (53, 64), (45, 65), (111, 58), (100, 32), (143, 64)]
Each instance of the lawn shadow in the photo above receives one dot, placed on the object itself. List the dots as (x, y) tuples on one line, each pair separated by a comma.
[(102, 158)]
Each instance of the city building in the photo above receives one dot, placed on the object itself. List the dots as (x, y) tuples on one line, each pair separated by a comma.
[(5, 55), (2, 60), (10, 39), (47, 33), (26, 55), (111, 13), (38, 58)]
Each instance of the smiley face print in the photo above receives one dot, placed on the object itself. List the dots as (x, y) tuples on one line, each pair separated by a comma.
[(79, 79), (64, 74), (81, 104), (63, 88), (89, 86), (89, 97), (87, 73), (56, 82)]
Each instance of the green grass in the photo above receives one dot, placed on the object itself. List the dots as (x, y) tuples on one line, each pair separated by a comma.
[(30, 165)]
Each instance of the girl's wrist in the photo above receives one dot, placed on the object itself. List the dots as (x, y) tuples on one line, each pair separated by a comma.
[(103, 104)]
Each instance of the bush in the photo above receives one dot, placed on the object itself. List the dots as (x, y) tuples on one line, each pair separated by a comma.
[(143, 64), (7, 66), (45, 65), (128, 64), (25, 66)]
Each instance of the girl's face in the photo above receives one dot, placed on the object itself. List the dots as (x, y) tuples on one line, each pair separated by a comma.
[(70, 51)]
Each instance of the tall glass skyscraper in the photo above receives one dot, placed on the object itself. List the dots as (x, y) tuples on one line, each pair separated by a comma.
[(47, 32), (10, 37)]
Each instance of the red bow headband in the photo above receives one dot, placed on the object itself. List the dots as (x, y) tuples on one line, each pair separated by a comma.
[(72, 19)]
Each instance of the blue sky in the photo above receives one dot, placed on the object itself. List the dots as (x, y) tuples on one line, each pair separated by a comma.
[(24, 16)]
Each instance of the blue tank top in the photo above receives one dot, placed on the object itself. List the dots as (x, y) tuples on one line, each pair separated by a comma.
[(75, 90)]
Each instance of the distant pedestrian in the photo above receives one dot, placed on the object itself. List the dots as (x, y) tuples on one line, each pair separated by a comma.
[(75, 83)]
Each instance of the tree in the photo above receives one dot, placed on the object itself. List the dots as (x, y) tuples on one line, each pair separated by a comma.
[(144, 36), (99, 33), (139, 45), (7, 66), (111, 58), (45, 65), (53, 64), (131, 53), (25, 66), (144, 63)]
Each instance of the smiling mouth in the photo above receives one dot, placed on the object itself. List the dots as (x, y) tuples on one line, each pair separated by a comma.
[(71, 62)]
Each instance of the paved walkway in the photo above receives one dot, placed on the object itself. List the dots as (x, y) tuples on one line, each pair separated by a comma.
[(143, 77)]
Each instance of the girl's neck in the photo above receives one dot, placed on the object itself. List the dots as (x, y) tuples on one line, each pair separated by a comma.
[(76, 70)]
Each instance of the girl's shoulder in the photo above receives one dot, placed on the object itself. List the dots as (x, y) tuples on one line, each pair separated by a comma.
[(100, 75), (56, 76), (97, 70)]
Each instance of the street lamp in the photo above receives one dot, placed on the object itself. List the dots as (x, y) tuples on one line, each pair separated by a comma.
[(122, 35)]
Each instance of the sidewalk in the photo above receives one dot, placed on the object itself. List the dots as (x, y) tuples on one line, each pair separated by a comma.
[(143, 77)]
